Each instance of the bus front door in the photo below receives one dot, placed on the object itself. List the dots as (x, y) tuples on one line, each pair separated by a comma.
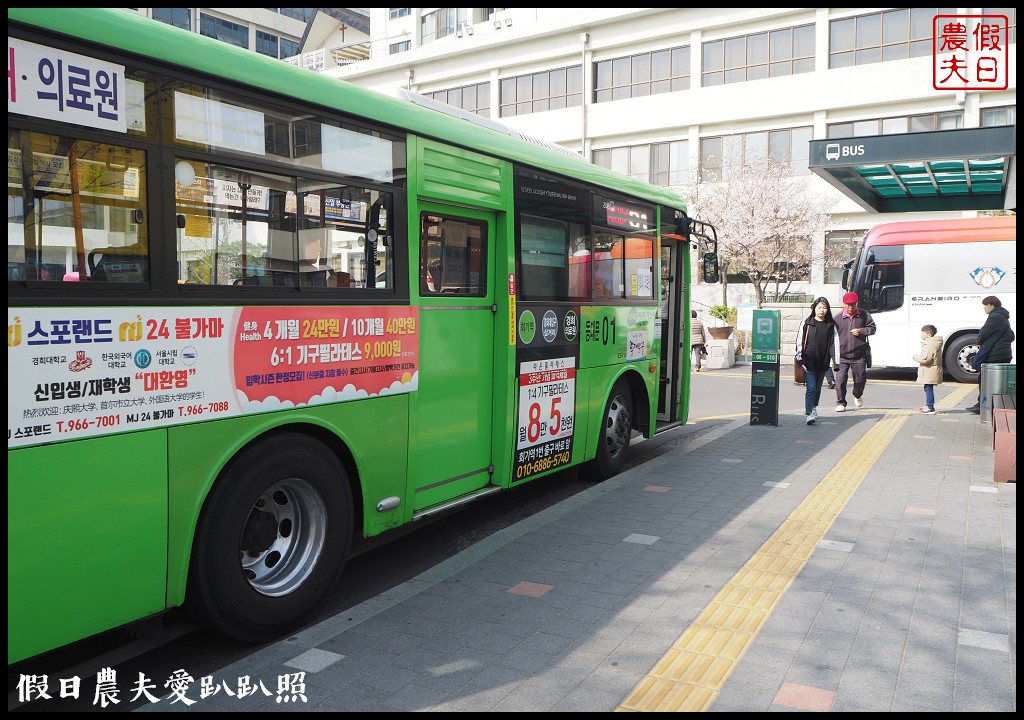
[(675, 341), (451, 454)]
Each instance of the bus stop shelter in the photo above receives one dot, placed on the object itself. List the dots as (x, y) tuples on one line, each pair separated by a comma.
[(969, 169)]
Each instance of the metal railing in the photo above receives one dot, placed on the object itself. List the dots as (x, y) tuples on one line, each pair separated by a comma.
[(792, 297), (327, 58)]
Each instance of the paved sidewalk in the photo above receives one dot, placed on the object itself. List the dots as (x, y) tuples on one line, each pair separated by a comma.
[(867, 563)]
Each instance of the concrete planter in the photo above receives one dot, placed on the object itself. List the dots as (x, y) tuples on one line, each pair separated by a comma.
[(721, 354)]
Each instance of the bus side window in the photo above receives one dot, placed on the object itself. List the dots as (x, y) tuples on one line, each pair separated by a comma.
[(452, 256), (118, 264), (608, 265), (95, 199), (580, 268)]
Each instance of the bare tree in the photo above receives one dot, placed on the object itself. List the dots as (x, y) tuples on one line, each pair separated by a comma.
[(767, 221)]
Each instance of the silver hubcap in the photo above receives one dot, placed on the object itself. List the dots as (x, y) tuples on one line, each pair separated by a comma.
[(963, 358), (283, 537), (617, 428)]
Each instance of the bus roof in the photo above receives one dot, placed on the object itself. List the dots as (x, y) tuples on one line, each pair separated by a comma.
[(922, 232), (145, 38)]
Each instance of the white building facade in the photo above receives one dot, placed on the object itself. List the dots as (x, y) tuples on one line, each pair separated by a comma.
[(314, 38), (656, 92)]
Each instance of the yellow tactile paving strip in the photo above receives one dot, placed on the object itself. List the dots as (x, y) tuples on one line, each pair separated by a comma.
[(955, 397), (690, 675)]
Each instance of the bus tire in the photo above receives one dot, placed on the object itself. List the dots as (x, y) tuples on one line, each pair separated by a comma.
[(958, 356), (271, 541), (615, 433)]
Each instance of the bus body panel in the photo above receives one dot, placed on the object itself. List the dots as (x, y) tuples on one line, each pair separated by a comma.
[(613, 335), (454, 404), (87, 538), (367, 430), (941, 232), (948, 267)]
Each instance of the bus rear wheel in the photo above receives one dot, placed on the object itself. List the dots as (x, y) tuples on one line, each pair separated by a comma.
[(272, 540), (615, 434), (959, 354)]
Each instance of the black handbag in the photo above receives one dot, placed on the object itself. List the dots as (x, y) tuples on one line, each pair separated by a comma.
[(867, 356)]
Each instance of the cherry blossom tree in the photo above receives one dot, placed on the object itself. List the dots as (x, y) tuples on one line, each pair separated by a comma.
[(767, 220)]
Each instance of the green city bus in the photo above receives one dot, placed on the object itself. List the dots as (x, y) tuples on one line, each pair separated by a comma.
[(255, 312)]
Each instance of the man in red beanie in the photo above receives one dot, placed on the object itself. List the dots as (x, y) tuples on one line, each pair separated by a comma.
[(853, 326)]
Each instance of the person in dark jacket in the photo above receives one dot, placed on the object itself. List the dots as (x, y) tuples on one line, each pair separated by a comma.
[(815, 351), (853, 326), (994, 338)]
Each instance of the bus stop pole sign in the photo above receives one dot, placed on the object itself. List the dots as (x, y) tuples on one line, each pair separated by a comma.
[(764, 370)]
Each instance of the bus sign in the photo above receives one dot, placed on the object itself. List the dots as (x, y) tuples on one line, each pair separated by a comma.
[(764, 375)]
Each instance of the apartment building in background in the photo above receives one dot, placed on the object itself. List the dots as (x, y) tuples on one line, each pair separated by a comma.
[(671, 95), (677, 94), (314, 38)]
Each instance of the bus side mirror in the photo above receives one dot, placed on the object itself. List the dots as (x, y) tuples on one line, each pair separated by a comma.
[(710, 262)]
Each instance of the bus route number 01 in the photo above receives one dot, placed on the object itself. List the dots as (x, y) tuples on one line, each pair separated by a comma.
[(602, 330)]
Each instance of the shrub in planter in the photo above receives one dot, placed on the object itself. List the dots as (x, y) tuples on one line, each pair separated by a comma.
[(725, 314)]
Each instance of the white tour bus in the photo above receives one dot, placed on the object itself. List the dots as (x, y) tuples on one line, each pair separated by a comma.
[(934, 272)]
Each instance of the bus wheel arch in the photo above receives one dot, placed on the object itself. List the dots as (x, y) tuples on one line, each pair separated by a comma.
[(957, 356), (618, 420), (271, 542)]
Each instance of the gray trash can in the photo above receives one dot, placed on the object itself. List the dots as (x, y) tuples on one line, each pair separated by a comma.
[(996, 379)]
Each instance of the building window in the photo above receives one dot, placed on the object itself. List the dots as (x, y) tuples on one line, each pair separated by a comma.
[(289, 48), (303, 14), (1011, 19), (995, 117), (878, 37), (398, 12), (442, 23), (650, 73), (658, 163), (266, 44), (841, 246), (178, 17), (722, 157), (786, 51), (537, 92), (471, 98), (224, 30), (897, 125), (399, 47), (308, 139)]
